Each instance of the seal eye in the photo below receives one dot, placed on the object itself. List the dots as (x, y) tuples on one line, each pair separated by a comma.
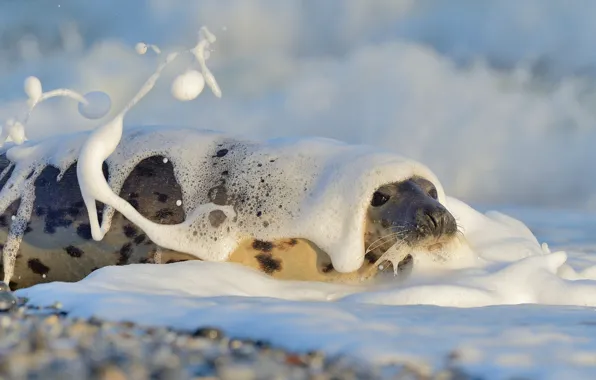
[(433, 193), (379, 199)]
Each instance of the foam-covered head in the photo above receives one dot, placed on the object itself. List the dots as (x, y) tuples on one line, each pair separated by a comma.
[(407, 215)]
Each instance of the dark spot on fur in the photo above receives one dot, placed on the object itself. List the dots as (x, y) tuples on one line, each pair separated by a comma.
[(265, 224), (129, 230), (293, 242), (218, 195), (73, 211), (216, 218), (225, 172), (74, 251), (30, 174), (164, 213), (163, 198), (267, 263), (134, 203), (84, 231), (125, 253), (139, 239), (37, 267), (220, 153), (172, 261), (371, 258), (54, 219), (144, 171), (327, 268), (259, 213), (259, 165), (404, 263), (105, 170), (99, 206), (261, 245), (40, 211)]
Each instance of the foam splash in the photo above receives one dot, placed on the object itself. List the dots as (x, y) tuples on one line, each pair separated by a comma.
[(100, 144)]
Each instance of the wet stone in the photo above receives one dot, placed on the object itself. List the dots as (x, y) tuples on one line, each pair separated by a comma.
[(209, 333)]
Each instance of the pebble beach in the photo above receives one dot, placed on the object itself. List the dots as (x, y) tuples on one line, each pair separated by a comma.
[(45, 343)]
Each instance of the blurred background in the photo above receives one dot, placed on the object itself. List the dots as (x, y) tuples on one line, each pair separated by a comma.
[(497, 97)]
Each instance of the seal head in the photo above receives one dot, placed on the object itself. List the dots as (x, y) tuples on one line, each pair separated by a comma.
[(408, 215)]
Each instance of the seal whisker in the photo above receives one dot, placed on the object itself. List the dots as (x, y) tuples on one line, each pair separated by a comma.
[(382, 240), (395, 254)]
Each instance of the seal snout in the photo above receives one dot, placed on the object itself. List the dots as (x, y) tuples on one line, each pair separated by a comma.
[(434, 220)]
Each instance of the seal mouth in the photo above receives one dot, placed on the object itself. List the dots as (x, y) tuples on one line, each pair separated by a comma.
[(399, 258)]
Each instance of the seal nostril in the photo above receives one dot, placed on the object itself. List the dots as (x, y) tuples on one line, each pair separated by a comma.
[(434, 221)]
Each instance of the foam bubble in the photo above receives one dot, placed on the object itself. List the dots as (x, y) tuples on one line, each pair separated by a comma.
[(33, 88), (188, 86), (97, 106), (141, 48)]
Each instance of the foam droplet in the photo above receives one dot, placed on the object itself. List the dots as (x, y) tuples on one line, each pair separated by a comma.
[(188, 85), (17, 133), (99, 104), (178, 202), (165, 160), (33, 87), (141, 48)]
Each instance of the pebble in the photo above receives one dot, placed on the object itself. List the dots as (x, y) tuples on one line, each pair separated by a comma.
[(47, 344)]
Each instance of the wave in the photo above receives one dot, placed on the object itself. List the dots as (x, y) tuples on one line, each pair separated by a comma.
[(495, 97)]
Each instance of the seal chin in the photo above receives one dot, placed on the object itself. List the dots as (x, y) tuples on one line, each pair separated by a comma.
[(437, 248)]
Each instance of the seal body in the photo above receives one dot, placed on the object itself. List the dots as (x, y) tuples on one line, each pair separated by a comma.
[(57, 243)]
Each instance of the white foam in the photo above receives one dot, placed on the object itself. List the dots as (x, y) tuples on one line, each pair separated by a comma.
[(376, 322)]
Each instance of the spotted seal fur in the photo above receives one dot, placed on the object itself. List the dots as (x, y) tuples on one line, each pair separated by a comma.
[(57, 244)]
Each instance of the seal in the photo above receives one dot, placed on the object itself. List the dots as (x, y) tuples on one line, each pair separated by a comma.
[(57, 244)]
